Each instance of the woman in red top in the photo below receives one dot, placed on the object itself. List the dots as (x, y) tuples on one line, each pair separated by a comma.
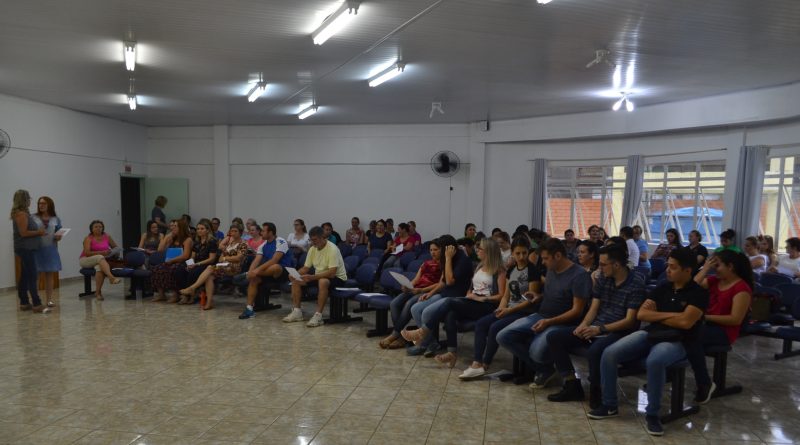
[(730, 292), (426, 283)]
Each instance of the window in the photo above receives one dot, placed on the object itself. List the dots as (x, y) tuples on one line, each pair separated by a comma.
[(578, 197), (684, 196), (780, 200)]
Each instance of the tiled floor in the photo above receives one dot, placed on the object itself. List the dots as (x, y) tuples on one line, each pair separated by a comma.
[(120, 372)]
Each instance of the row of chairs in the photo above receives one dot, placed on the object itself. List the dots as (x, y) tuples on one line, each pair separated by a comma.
[(781, 323)]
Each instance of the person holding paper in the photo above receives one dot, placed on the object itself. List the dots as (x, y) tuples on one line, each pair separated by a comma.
[(98, 246), (404, 240), (228, 264), (425, 284), (329, 272), (48, 261), (165, 274), (270, 264), (151, 239), (789, 264), (27, 238), (204, 253)]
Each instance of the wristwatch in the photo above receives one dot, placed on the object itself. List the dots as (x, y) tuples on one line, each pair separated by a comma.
[(603, 329)]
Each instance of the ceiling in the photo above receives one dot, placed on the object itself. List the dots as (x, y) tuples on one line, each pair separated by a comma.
[(500, 59)]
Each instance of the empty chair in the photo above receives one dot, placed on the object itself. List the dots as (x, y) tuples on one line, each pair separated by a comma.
[(789, 334), (657, 267), (345, 249), (773, 279), (414, 266), (371, 260), (360, 251), (406, 259), (424, 256), (351, 264), (133, 270)]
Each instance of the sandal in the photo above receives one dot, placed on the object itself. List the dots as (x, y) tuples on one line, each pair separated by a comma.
[(208, 308), (413, 336), (115, 280), (398, 343), (186, 291), (448, 359), (384, 344), (98, 297)]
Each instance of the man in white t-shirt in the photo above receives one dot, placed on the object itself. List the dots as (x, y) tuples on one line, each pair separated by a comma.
[(633, 250), (789, 264)]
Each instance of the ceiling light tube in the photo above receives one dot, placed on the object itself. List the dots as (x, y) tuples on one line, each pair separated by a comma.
[(544, 2), (132, 101), (618, 104), (257, 91), (130, 55), (336, 21), (628, 104), (307, 112), (387, 74)]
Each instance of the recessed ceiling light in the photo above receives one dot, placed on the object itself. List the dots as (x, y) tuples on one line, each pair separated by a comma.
[(130, 54), (335, 22), (257, 91), (387, 74), (132, 101), (307, 112), (544, 2)]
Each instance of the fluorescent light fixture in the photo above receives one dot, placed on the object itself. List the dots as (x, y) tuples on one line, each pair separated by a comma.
[(628, 104), (387, 74), (335, 22), (132, 101), (544, 2), (257, 91), (130, 55), (307, 112), (624, 99), (618, 104)]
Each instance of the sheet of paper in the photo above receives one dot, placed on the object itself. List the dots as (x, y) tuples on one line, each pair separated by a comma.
[(371, 294), (225, 264), (189, 262), (402, 279), (398, 249), (349, 289), (62, 232), (294, 273)]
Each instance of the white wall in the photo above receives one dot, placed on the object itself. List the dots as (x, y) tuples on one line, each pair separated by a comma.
[(72, 157), (320, 173)]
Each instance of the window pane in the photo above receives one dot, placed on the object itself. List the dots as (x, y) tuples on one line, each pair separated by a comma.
[(780, 200)]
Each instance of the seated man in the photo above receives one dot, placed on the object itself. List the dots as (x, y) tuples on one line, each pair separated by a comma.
[(789, 264), (270, 264), (566, 290), (329, 272), (674, 311), (616, 298)]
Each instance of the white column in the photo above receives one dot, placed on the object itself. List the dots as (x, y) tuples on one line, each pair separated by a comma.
[(222, 175)]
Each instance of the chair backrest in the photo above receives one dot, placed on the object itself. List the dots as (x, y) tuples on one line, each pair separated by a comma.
[(246, 262), (790, 292), (156, 258), (371, 260), (773, 279), (135, 259), (796, 309), (365, 275), (345, 249), (406, 259), (414, 266), (387, 281), (771, 291), (351, 264), (424, 256), (360, 251), (657, 266)]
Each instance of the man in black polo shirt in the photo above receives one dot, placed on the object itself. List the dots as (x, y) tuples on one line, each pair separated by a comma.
[(674, 311), (616, 298)]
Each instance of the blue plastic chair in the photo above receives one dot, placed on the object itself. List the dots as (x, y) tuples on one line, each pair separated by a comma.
[(351, 264), (406, 259), (414, 266), (773, 280), (345, 249), (360, 251), (424, 256), (371, 260), (657, 266), (375, 253)]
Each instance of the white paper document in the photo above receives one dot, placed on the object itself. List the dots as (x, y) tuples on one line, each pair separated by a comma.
[(398, 249), (371, 294), (225, 264), (402, 279), (62, 232), (190, 262), (294, 273), (349, 289)]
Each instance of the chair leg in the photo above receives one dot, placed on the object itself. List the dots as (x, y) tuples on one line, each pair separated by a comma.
[(677, 410), (363, 307), (262, 300), (337, 309), (720, 377), (787, 350), (87, 287), (381, 323)]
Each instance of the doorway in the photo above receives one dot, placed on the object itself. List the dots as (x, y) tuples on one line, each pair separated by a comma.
[(131, 210)]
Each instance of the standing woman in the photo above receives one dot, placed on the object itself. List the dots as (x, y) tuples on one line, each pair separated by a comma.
[(157, 214), (97, 246), (48, 261), (27, 238), (165, 273)]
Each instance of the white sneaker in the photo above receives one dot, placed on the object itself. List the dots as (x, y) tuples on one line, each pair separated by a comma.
[(472, 373), (315, 321), (295, 315)]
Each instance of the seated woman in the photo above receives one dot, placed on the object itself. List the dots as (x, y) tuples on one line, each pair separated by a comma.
[(151, 239), (730, 292), (587, 255), (426, 283), (354, 234), (758, 261), (766, 246), (98, 246), (504, 241), (298, 240), (488, 288), (699, 250), (254, 241), (402, 238), (165, 275), (664, 249), (372, 227), (379, 240), (727, 241), (229, 264), (416, 238), (204, 254), (519, 300)]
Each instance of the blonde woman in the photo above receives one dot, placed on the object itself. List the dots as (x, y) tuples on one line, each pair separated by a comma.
[(233, 254), (48, 261), (27, 239), (488, 287)]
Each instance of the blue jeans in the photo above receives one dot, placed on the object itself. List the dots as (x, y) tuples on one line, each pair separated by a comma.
[(400, 308), (526, 345), (28, 279), (486, 330), (634, 347), (416, 313), (708, 335), (562, 341)]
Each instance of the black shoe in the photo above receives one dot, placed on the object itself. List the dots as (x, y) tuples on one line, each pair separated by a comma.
[(595, 396), (523, 379), (570, 392), (654, 426), (603, 412), (704, 393)]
